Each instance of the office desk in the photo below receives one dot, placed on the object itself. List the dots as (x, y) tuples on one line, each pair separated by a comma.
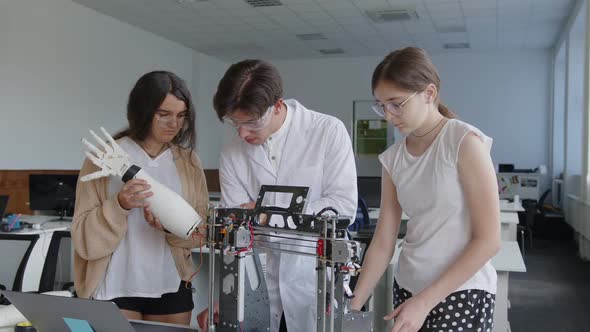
[(508, 259), (374, 214), (509, 223), (508, 220), (506, 206), (35, 260)]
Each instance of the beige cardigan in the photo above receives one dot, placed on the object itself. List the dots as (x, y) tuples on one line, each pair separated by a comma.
[(100, 223)]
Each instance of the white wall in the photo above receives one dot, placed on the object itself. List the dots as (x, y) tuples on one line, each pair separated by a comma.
[(504, 93), (206, 75), (64, 69), (575, 109), (559, 104), (577, 206), (575, 116)]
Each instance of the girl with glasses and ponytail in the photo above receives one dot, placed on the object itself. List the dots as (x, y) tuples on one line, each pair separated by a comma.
[(441, 175)]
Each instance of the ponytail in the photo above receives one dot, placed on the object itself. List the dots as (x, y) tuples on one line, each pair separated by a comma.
[(410, 69), (445, 111)]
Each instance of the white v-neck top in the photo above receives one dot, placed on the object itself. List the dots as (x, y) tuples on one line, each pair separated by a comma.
[(429, 192), (142, 265)]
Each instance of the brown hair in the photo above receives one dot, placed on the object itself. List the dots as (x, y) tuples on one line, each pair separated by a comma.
[(251, 86), (144, 100), (146, 97), (410, 68)]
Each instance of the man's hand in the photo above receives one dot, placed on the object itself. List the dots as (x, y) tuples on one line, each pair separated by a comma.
[(262, 218), (250, 205)]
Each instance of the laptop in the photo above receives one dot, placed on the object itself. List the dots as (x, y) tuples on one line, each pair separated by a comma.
[(47, 313)]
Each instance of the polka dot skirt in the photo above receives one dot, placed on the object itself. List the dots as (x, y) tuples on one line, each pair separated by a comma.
[(464, 311)]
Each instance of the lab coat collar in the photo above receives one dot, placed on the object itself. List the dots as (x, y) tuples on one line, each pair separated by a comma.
[(298, 126)]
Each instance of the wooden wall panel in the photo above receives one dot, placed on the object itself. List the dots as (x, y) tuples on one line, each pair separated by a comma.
[(212, 177), (15, 183)]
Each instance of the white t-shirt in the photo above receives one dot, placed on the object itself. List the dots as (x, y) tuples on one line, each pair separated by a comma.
[(430, 193), (142, 265)]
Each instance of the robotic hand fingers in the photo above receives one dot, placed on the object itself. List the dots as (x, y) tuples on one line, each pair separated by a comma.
[(112, 160)]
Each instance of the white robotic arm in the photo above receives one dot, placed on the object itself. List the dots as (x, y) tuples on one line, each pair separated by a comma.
[(175, 214)]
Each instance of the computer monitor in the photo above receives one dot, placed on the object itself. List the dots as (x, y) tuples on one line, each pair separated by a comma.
[(369, 189), (53, 192), (3, 205)]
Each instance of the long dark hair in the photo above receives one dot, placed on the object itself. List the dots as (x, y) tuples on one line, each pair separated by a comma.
[(411, 69), (147, 95)]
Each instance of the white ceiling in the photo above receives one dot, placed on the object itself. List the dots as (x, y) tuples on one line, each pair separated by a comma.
[(233, 29)]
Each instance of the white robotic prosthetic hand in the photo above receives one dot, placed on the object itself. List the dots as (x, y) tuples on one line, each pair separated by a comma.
[(175, 214)]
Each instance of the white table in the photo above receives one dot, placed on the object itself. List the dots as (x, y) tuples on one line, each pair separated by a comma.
[(507, 206), (508, 259), (509, 221), (374, 214)]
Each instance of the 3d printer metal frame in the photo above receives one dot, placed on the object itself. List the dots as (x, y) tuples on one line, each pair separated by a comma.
[(237, 234)]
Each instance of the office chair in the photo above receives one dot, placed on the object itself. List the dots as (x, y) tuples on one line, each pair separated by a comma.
[(532, 210), (17, 284), (362, 216), (47, 282), (547, 210), (526, 230)]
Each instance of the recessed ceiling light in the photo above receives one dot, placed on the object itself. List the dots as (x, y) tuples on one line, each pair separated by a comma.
[(264, 3), (456, 45), (331, 51), (311, 36), (392, 15), (451, 29)]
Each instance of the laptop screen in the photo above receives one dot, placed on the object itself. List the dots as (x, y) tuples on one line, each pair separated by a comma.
[(56, 314), (50, 313)]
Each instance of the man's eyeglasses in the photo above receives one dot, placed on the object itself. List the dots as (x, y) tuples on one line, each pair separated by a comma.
[(253, 125), (391, 107)]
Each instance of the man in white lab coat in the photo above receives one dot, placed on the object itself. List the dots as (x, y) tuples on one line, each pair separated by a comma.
[(280, 142)]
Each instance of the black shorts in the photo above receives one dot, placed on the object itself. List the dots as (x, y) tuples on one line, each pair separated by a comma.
[(169, 303), (469, 310)]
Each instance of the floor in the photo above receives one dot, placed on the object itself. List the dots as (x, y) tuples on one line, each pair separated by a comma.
[(554, 293)]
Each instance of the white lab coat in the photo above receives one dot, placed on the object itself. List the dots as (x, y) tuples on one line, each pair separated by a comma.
[(317, 154)]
